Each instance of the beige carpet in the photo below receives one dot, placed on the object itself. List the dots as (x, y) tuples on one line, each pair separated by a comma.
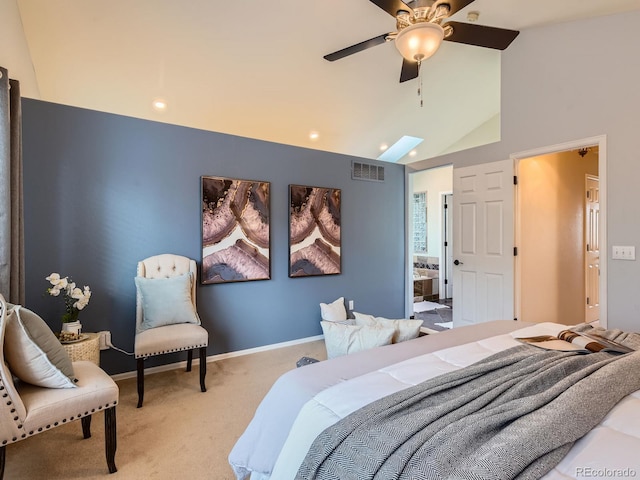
[(178, 433)]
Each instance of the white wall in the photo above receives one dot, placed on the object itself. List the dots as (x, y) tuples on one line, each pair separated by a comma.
[(572, 81), (488, 132), (14, 51)]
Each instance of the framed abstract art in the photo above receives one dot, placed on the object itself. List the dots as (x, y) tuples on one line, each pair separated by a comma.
[(314, 231), (235, 230)]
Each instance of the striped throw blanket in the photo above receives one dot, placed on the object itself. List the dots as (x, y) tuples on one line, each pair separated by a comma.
[(513, 415)]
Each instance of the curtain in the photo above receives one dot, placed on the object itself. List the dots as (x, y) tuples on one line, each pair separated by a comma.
[(11, 206)]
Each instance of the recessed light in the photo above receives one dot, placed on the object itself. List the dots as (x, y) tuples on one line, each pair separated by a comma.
[(159, 104), (314, 135), (383, 147), (413, 153)]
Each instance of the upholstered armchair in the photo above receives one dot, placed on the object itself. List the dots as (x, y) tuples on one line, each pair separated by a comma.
[(49, 390), (166, 317)]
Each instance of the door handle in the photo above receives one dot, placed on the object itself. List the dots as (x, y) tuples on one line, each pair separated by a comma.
[(457, 262)]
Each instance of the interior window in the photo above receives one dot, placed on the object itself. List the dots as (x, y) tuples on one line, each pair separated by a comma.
[(420, 222)]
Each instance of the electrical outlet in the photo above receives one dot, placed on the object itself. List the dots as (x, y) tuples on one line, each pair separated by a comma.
[(350, 304), (105, 340)]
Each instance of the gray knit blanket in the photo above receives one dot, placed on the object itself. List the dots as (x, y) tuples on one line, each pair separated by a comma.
[(515, 414)]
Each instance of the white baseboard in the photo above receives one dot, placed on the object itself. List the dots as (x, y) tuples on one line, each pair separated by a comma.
[(215, 358)]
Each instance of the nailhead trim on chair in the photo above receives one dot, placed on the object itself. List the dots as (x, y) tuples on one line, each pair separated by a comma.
[(171, 351), (55, 424)]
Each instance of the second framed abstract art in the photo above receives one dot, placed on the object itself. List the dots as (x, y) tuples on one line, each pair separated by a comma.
[(235, 230), (314, 231)]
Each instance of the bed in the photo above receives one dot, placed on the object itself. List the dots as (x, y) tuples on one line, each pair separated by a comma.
[(306, 401)]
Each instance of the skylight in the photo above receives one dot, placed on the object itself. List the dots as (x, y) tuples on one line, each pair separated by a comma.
[(399, 149)]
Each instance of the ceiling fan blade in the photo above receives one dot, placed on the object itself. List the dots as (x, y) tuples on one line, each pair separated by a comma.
[(480, 35), (392, 6), (358, 47), (409, 70), (454, 5)]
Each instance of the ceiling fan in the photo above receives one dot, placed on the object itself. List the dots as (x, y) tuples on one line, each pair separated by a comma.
[(420, 31)]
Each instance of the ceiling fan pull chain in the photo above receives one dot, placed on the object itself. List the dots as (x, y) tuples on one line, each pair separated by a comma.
[(420, 83)]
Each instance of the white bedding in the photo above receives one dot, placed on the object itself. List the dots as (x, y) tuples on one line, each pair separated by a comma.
[(611, 450)]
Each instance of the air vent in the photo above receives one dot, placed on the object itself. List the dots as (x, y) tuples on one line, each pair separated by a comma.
[(367, 171)]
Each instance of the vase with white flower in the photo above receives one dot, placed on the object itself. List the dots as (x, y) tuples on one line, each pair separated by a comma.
[(75, 300)]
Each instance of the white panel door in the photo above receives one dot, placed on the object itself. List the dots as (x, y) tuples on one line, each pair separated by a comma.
[(592, 247), (483, 237)]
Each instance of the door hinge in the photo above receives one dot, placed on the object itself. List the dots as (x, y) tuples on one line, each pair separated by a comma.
[(515, 179), (587, 300), (515, 319), (515, 251), (588, 194), (446, 282), (587, 247), (446, 205), (446, 244)]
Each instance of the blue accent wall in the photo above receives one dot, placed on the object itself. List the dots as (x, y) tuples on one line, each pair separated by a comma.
[(104, 191)]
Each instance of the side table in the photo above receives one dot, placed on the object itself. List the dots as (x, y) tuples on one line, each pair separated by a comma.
[(87, 349)]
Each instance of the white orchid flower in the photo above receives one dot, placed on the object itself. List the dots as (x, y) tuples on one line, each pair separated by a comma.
[(80, 304), (54, 292), (71, 293), (56, 281), (76, 293)]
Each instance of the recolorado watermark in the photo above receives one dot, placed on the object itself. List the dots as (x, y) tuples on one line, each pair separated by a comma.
[(591, 472)]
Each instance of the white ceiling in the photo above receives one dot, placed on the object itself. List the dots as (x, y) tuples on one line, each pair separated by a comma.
[(255, 68)]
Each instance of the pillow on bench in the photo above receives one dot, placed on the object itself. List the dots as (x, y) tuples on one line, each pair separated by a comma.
[(404, 329), (342, 339), (334, 311)]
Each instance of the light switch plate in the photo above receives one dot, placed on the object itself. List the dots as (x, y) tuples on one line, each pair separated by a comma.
[(623, 253)]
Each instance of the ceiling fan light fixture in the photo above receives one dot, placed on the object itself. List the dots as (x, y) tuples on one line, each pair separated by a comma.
[(419, 41)]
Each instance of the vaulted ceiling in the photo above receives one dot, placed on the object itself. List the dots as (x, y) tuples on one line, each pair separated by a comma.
[(256, 69)]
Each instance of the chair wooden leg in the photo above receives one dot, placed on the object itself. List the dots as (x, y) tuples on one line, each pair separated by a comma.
[(86, 426), (3, 453), (203, 367), (140, 381), (189, 359), (110, 441)]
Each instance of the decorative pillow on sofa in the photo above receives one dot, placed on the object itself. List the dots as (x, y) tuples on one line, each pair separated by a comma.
[(334, 311), (33, 353), (166, 301), (341, 339), (405, 329)]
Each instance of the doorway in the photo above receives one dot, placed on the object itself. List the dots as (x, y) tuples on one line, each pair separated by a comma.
[(427, 259), (559, 236)]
